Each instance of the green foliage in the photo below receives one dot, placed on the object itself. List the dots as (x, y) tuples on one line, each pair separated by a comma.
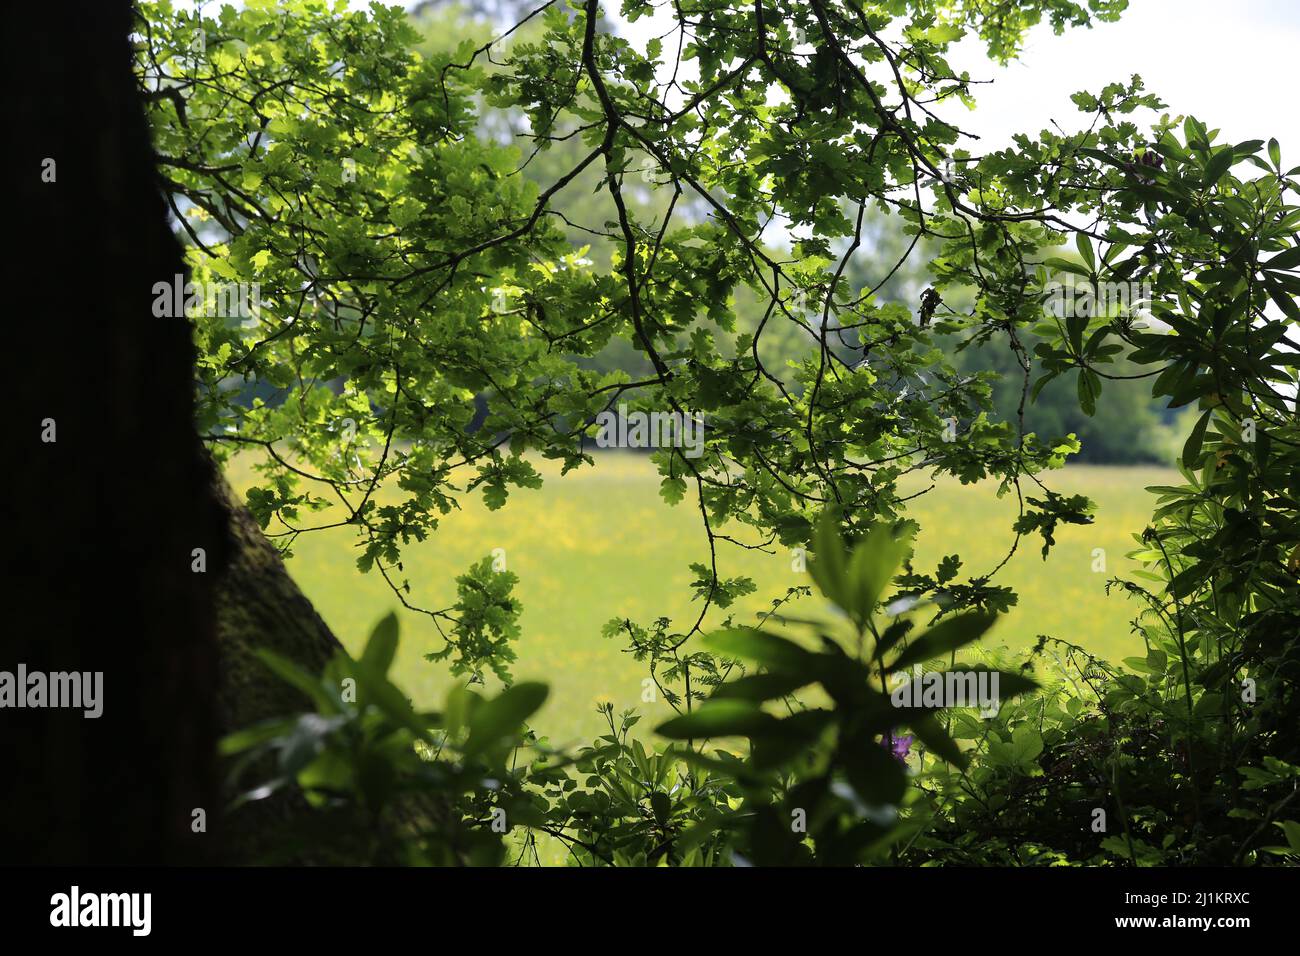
[(426, 324), (484, 622), (1193, 751), (391, 785), (820, 784), (424, 321)]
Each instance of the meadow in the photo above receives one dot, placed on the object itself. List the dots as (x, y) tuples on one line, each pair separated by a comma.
[(601, 543)]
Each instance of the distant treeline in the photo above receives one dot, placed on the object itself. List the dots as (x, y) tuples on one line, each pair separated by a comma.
[(1129, 427)]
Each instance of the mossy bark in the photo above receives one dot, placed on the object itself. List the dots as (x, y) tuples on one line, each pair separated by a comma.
[(258, 605)]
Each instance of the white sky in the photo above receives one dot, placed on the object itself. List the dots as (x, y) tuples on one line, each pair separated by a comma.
[(1234, 65)]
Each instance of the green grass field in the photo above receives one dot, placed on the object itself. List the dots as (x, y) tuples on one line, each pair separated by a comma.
[(601, 543)]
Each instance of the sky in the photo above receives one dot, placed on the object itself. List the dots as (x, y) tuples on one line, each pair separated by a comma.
[(1235, 65)]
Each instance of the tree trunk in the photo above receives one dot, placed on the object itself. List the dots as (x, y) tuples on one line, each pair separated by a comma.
[(110, 487), (111, 498)]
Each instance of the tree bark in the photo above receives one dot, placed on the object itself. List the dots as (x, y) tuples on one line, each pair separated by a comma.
[(104, 519), (258, 605)]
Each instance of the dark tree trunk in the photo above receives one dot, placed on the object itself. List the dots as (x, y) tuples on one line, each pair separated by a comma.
[(105, 518), (103, 522)]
